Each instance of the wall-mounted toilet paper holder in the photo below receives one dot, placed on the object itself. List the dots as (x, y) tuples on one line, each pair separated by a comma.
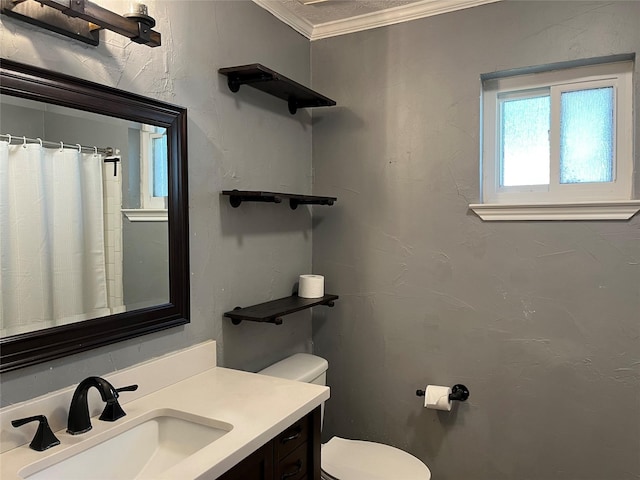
[(458, 392)]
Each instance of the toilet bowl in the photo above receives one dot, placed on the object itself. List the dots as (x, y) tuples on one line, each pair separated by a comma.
[(343, 459)]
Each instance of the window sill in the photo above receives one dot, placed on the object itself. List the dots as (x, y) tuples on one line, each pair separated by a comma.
[(146, 215), (610, 210)]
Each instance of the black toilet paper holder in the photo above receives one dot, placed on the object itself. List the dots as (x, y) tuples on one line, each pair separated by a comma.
[(458, 392)]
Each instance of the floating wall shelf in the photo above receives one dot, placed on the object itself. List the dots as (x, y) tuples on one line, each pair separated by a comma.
[(265, 79), (271, 312), (236, 197)]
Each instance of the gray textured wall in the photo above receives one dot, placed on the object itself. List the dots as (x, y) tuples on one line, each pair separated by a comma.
[(541, 320), (145, 269), (17, 119), (246, 141)]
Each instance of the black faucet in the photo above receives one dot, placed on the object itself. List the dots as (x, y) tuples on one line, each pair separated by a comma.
[(79, 421)]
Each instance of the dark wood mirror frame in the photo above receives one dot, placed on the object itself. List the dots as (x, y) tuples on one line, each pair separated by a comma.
[(42, 85)]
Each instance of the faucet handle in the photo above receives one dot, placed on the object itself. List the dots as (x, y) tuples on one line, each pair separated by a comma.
[(128, 388), (44, 437), (112, 410)]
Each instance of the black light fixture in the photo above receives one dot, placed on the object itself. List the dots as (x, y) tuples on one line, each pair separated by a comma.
[(83, 19)]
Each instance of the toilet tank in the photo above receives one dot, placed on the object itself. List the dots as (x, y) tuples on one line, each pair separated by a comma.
[(302, 367)]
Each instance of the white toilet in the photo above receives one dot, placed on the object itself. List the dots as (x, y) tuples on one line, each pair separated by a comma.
[(344, 459)]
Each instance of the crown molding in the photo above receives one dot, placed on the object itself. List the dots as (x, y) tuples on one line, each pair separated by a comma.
[(278, 10), (391, 16)]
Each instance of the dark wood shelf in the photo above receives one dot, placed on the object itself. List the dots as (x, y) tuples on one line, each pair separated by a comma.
[(236, 197), (271, 312), (268, 81)]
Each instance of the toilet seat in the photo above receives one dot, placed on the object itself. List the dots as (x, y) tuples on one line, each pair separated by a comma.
[(344, 459)]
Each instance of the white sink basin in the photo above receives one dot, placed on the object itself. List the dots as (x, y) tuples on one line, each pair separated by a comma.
[(147, 447)]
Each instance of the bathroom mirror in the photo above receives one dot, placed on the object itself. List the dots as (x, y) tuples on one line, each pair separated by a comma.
[(142, 274)]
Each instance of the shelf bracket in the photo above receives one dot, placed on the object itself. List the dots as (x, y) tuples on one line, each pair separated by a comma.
[(274, 320), (236, 321), (300, 200), (293, 105), (236, 199), (234, 84)]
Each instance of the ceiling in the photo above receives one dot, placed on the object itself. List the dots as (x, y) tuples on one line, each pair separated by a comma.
[(316, 19)]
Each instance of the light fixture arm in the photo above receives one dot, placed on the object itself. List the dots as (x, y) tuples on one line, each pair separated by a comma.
[(98, 18)]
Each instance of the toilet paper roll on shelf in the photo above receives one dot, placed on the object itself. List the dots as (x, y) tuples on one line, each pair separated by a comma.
[(311, 286), (438, 397)]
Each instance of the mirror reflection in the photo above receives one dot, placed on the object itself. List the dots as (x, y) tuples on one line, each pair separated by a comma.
[(83, 216)]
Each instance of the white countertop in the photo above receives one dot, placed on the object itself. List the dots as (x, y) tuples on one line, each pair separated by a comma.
[(259, 407)]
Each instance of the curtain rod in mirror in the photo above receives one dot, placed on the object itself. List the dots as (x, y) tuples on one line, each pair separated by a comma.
[(46, 143)]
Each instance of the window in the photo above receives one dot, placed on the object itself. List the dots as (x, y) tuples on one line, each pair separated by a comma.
[(154, 181), (150, 189), (558, 141)]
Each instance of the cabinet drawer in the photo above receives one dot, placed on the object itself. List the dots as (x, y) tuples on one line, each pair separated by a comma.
[(293, 436), (295, 465)]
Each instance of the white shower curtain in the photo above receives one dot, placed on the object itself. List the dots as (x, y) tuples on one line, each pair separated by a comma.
[(52, 256)]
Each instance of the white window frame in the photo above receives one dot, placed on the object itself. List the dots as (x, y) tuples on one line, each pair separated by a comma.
[(610, 200), (152, 209), (147, 200)]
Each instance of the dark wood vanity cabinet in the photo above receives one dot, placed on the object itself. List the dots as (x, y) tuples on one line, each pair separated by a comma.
[(292, 455)]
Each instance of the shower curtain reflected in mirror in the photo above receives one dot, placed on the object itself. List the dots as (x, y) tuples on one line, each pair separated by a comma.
[(53, 262)]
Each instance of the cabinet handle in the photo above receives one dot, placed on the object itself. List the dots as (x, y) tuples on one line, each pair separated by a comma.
[(292, 436), (298, 465)]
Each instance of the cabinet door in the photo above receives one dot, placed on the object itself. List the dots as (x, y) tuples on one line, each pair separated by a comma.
[(257, 466)]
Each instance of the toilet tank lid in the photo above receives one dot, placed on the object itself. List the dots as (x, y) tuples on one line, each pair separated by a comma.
[(302, 367)]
